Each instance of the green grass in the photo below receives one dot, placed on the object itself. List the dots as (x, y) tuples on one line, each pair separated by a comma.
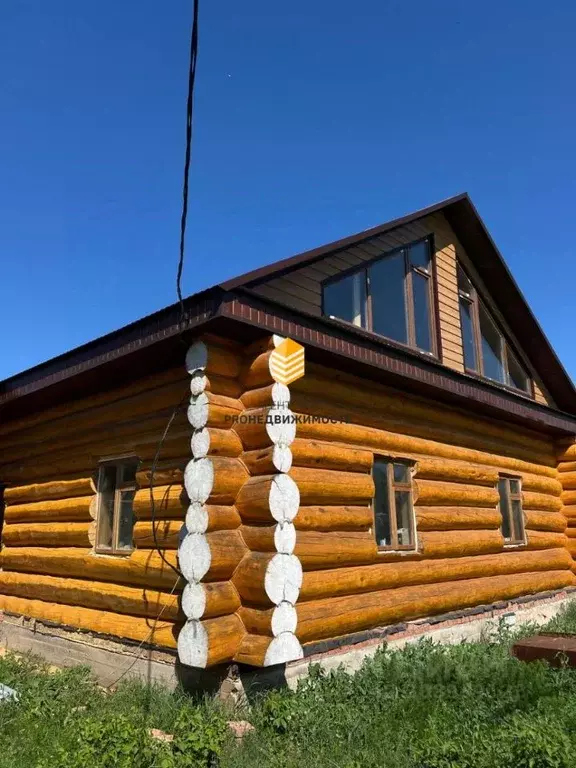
[(428, 706)]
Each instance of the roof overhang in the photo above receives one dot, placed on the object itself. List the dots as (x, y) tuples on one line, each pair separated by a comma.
[(160, 340)]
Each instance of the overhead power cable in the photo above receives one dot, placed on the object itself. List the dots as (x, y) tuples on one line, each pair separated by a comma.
[(183, 221)]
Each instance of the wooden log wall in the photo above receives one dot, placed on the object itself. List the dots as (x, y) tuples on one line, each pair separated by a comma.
[(348, 584), (49, 462), (213, 545), (567, 476), (277, 549), (50, 570), (267, 503)]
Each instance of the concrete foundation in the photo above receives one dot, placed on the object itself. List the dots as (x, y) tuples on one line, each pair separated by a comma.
[(112, 660)]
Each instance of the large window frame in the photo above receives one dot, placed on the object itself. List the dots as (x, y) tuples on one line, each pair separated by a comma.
[(471, 299), (110, 501), (366, 313), (396, 479)]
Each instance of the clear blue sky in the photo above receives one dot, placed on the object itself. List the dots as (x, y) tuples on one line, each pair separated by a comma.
[(314, 120)]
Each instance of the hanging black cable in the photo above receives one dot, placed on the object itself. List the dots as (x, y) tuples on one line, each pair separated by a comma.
[(189, 117), (183, 221)]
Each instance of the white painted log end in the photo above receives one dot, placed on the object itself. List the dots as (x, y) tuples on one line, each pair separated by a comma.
[(281, 425), (193, 601), (194, 557), (283, 649), (283, 578), (284, 619), (197, 518), (93, 508), (199, 479), (285, 538), (282, 458), (280, 394), (198, 383), (200, 443), (198, 410), (284, 498), (193, 645), (197, 357), (277, 340)]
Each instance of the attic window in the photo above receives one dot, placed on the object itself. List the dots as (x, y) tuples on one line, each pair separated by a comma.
[(486, 349), (391, 296)]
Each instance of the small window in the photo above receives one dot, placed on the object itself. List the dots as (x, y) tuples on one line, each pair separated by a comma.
[(116, 489), (510, 491), (392, 506), (392, 296), (486, 350)]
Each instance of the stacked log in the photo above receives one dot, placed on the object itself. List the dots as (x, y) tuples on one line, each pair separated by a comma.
[(567, 477), (457, 461), (278, 548), (50, 568), (211, 546), (268, 503)]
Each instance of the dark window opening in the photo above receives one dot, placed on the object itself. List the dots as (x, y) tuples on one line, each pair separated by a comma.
[(392, 506), (116, 490), (510, 506), (391, 296), (486, 350)]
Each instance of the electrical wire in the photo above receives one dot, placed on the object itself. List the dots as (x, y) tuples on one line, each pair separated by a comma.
[(189, 120), (183, 221), (153, 468), (142, 643)]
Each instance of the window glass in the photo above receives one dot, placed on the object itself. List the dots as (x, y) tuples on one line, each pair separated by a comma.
[(381, 503), (422, 318), (125, 519), (403, 518), (491, 347), (106, 488), (518, 519), (127, 473), (511, 509), (505, 508), (401, 473), (346, 299), (468, 344), (387, 288), (116, 490), (419, 254), (517, 376)]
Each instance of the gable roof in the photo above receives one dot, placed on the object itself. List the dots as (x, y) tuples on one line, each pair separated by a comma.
[(472, 233)]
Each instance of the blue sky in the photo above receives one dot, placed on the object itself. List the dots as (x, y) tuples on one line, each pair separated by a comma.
[(314, 120)]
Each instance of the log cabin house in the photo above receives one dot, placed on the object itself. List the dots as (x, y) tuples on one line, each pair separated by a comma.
[(425, 462)]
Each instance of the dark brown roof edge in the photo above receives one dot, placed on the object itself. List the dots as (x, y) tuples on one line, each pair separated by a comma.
[(357, 355), (278, 268), (149, 330), (237, 310)]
